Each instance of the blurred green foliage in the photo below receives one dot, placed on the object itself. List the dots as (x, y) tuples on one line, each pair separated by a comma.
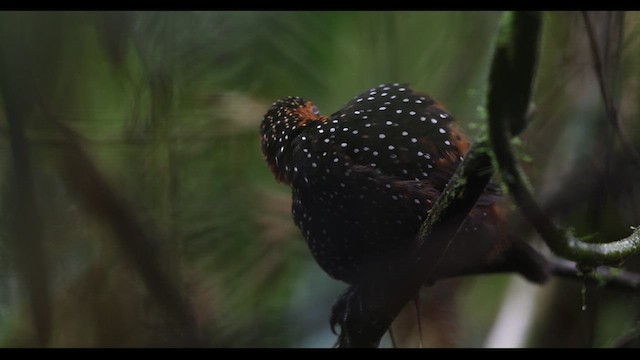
[(167, 105)]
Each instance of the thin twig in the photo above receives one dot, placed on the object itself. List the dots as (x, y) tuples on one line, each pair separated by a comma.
[(629, 339), (393, 338), (603, 275), (610, 108), (416, 305)]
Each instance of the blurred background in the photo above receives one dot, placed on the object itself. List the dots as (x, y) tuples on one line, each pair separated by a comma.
[(137, 209)]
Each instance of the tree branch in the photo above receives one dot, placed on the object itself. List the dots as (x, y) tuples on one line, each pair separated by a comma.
[(510, 87), (26, 223), (365, 324), (558, 239), (365, 320), (86, 183)]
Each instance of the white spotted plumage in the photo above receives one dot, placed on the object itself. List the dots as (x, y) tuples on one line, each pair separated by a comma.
[(382, 166)]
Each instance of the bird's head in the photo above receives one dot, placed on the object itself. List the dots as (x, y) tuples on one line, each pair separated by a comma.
[(284, 120)]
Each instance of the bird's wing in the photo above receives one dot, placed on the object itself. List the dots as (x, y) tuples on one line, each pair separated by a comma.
[(392, 131), (401, 133)]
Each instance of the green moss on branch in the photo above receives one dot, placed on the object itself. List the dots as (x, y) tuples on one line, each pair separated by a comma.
[(512, 74)]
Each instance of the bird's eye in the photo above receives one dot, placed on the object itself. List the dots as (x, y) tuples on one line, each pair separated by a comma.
[(315, 110)]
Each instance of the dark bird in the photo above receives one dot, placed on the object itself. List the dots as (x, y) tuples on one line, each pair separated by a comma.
[(364, 177)]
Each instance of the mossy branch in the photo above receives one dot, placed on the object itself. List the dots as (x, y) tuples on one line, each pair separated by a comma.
[(505, 80), (364, 324), (364, 321)]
